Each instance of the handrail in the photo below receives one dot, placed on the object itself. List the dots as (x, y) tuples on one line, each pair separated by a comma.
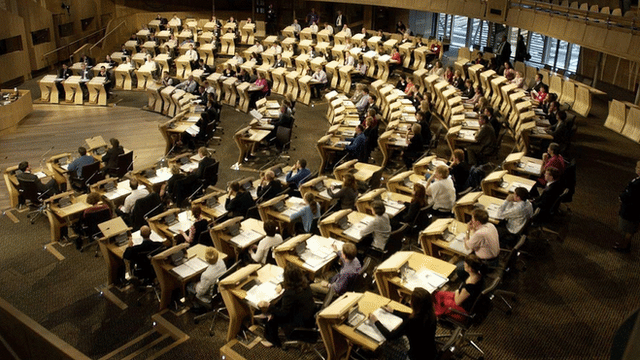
[(71, 43), (105, 36)]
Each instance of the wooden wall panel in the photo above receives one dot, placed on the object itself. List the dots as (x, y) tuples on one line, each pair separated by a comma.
[(474, 8), (37, 18), (455, 7), (594, 35), (557, 26), (574, 31), (541, 21), (496, 10), (15, 64), (618, 41)]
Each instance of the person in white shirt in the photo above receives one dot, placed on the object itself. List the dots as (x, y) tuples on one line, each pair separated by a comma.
[(346, 31), (516, 210), (349, 60), (314, 28), (204, 287), (318, 81), (441, 192), (329, 28), (296, 27), (175, 21), (151, 63), (380, 226), (239, 59), (189, 85), (276, 48), (260, 252), (259, 48), (193, 56), (136, 193)]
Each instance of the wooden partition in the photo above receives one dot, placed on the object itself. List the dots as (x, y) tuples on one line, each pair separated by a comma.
[(14, 64), (29, 340)]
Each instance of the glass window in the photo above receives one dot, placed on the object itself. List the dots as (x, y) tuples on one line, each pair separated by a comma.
[(40, 36), (459, 33)]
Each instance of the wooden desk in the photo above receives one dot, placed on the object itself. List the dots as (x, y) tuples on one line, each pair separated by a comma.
[(111, 252), (518, 163), (403, 182), (251, 232), (60, 217), (318, 255), (230, 92), (57, 170), (394, 202), (337, 335), (228, 46), (72, 90), (246, 139), (361, 171), (247, 33), (305, 89), (393, 284), (243, 92), (48, 89), (123, 76), (292, 83), (466, 204), (345, 78), (329, 226), (390, 141), (169, 280), (500, 183), (434, 238), (97, 91), (321, 196), (212, 204), (234, 296)]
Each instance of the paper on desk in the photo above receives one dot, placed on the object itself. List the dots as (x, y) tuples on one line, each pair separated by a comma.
[(256, 114), (246, 238), (193, 119), (426, 279), (189, 167), (354, 230), (492, 210), (137, 239), (467, 134), (371, 331), (263, 292), (40, 175), (516, 184), (65, 167), (532, 168), (458, 245), (387, 319), (193, 130), (118, 192), (162, 175), (393, 208), (190, 268)]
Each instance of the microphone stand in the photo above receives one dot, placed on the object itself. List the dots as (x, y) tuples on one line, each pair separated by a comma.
[(43, 157), (146, 216)]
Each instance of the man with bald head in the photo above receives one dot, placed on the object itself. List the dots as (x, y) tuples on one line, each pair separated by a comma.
[(269, 186), (140, 264)]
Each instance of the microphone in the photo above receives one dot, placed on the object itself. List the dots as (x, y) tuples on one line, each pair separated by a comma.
[(44, 155), (146, 216), (130, 167), (91, 177), (163, 161)]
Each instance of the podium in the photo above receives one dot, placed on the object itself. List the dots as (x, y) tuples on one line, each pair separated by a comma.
[(305, 90), (123, 76), (72, 90), (145, 74), (247, 33), (279, 82), (97, 91), (49, 90), (228, 46), (183, 67), (155, 99)]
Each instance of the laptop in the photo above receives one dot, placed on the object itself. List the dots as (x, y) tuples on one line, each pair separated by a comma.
[(234, 229), (171, 219), (64, 202), (178, 258), (110, 186), (279, 206), (319, 186), (343, 223)]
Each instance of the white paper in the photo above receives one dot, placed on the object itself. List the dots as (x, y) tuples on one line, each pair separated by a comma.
[(137, 239), (190, 267), (246, 238), (263, 292)]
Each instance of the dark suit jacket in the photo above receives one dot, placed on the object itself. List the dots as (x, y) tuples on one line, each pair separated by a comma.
[(271, 190), (548, 197), (137, 254), (279, 64), (295, 309), (485, 139), (240, 204), (204, 163), (64, 74), (110, 158), (630, 201)]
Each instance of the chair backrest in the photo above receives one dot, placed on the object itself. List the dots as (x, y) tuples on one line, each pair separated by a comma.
[(210, 174), (569, 179), (125, 164), (283, 137), (92, 219), (29, 190), (253, 213), (421, 216), (147, 206), (395, 240), (91, 173), (375, 180), (360, 282), (556, 204), (141, 263), (483, 304)]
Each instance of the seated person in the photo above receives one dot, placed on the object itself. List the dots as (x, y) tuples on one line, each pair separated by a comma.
[(561, 131), (419, 326), (318, 82), (356, 149), (172, 189), (380, 227), (190, 85), (515, 211), (47, 190), (343, 280), (269, 186), (459, 170), (294, 309), (307, 214), (363, 104), (441, 192), (97, 205), (550, 194), (284, 119), (348, 193), (418, 201), (203, 288), (200, 225), (551, 159), (136, 193), (258, 90), (205, 162), (402, 83), (415, 147), (137, 255), (298, 174), (484, 144), (110, 158), (229, 72), (75, 167), (239, 201), (482, 239), (462, 299), (260, 252)]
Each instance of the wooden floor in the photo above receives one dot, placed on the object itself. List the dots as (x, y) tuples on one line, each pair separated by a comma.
[(62, 128)]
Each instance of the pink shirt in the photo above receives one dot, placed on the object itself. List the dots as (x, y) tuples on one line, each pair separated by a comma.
[(484, 242)]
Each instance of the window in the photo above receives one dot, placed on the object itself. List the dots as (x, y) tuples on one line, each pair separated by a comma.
[(10, 45), (65, 29), (40, 36), (86, 23)]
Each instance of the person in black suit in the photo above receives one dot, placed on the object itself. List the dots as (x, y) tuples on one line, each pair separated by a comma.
[(204, 163), (49, 189), (202, 66), (415, 146), (459, 169), (163, 22), (493, 119), (87, 60), (504, 51), (550, 194), (64, 74), (285, 120), (484, 143), (295, 309), (137, 255), (269, 186), (341, 20), (107, 82), (110, 158), (279, 62), (629, 212), (239, 201), (85, 74)]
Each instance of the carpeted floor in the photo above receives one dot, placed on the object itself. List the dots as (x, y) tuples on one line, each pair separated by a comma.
[(571, 297)]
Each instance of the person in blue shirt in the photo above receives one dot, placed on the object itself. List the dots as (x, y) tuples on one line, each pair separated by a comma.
[(298, 174), (308, 213), (75, 168), (357, 145)]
